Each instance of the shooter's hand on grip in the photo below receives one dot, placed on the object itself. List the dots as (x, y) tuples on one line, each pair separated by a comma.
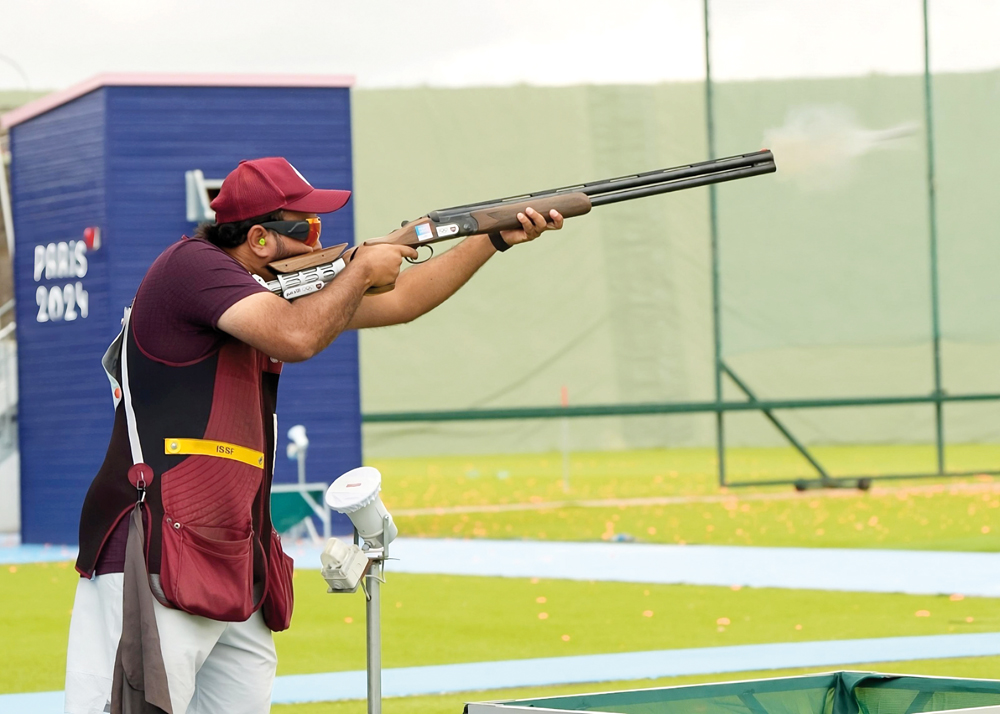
[(382, 262)]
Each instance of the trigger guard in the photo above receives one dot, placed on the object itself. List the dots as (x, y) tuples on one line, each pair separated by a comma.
[(417, 248)]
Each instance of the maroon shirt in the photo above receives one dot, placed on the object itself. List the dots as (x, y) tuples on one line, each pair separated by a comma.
[(181, 299), (174, 321)]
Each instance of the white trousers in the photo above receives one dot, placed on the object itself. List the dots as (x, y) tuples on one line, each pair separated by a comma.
[(212, 666)]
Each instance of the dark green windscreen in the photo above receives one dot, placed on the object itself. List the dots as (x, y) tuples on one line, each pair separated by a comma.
[(838, 693)]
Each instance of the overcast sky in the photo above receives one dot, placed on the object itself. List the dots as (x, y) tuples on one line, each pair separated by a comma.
[(393, 43)]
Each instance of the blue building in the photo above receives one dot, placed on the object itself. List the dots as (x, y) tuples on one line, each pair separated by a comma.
[(98, 190)]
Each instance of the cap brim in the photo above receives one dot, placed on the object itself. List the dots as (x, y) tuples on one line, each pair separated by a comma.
[(320, 201)]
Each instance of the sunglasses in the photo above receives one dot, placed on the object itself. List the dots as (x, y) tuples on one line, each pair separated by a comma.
[(306, 230)]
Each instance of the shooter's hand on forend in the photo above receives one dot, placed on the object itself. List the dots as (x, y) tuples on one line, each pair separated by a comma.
[(533, 225)]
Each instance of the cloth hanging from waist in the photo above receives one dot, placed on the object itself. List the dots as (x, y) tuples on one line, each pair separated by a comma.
[(139, 684)]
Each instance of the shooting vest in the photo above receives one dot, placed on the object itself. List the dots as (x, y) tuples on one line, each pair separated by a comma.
[(207, 431)]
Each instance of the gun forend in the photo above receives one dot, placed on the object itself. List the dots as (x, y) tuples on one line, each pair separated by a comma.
[(441, 225), (504, 217)]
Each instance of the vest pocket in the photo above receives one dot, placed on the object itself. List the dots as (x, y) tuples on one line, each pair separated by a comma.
[(280, 598), (208, 571)]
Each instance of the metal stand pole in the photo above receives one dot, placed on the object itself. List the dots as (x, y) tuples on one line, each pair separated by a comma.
[(564, 401), (933, 228), (300, 457), (373, 619), (565, 455), (374, 628), (713, 223)]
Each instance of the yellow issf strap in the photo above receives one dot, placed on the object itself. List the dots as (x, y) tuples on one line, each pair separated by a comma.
[(205, 447)]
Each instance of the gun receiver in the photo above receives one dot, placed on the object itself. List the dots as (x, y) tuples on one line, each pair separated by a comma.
[(501, 214)]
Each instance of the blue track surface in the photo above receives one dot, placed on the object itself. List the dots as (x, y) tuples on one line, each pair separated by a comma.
[(904, 571), (885, 571), (479, 676), (19, 554)]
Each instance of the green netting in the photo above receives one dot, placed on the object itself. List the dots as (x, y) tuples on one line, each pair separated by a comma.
[(614, 308), (824, 269), (967, 155), (836, 693), (826, 273)]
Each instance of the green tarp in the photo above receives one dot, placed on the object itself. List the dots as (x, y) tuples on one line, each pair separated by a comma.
[(289, 508), (836, 693)]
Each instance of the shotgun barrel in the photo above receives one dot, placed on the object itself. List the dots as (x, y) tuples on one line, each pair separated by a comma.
[(705, 172), (652, 189)]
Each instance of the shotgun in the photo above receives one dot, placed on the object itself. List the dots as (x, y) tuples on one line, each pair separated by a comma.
[(306, 274)]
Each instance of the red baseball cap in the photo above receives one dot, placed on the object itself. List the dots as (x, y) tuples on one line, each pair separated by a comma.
[(261, 186)]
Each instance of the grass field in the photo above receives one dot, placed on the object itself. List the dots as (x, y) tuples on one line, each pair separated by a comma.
[(439, 620), (959, 514)]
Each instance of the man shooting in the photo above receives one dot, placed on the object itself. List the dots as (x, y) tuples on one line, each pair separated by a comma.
[(183, 577)]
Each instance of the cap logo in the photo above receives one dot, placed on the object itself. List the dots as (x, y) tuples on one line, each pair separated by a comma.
[(297, 173)]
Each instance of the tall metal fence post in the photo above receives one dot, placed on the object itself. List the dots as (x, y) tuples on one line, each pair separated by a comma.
[(932, 217), (720, 434)]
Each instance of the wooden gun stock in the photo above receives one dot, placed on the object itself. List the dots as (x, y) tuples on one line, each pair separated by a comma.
[(309, 260)]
